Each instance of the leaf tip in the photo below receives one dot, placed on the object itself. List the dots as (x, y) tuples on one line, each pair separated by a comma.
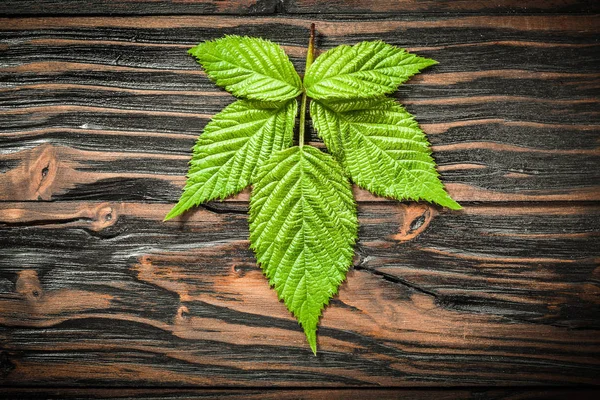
[(309, 324), (450, 203), (175, 211), (454, 205), (428, 62), (311, 337)]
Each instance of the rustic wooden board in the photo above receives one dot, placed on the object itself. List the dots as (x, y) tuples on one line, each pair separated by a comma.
[(153, 7), (313, 394), (422, 306), (512, 109), (97, 116), (178, 7), (439, 6)]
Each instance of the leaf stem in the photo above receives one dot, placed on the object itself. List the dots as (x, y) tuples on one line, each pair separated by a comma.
[(309, 59)]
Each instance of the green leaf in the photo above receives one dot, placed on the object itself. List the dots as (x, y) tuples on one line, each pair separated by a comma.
[(251, 68), (365, 70), (381, 148), (303, 227), (303, 220), (233, 145)]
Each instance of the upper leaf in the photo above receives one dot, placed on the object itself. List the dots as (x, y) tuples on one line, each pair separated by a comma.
[(303, 227), (365, 70), (381, 148), (247, 67), (233, 145)]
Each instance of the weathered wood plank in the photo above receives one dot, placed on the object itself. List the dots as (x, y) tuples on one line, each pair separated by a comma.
[(107, 108), (315, 394), (176, 7), (558, 237), (438, 6), (431, 300), (103, 292), (438, 30), (24, 103), (142, 7), (475, 171)]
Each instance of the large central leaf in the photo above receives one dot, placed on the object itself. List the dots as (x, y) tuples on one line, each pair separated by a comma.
[(303, 227), (381, 147)]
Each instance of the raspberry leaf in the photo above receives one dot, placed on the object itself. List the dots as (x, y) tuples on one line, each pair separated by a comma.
[(382, 148), (234, 143), (365, 70), (250, 68), (303, 226)]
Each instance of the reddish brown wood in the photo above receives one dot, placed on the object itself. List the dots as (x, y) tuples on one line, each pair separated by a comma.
[(421, 307), (174, 7), (437, 6), (330, 394), (138, 7), (97, 117)]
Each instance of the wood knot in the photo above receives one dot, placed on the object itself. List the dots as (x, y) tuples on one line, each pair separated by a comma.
[(105, 216), (238, 270), (28, 285), (241, 269), (416, 218), (34, 178), (182, 314), (42, 171)]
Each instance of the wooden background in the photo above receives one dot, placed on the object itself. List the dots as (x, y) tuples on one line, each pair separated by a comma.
[(99, 107)]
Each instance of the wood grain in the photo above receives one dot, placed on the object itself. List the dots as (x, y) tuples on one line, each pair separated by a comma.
[(97, 116), (416, 302), (73, 99), (176, 7), (315, 394), (438, 6), (138, 7)]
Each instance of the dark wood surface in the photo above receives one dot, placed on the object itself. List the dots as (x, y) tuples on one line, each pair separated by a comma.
[(521, 393), (258, 7), (99, 106)]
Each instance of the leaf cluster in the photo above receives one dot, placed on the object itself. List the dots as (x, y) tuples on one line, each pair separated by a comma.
[(303, 222)]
